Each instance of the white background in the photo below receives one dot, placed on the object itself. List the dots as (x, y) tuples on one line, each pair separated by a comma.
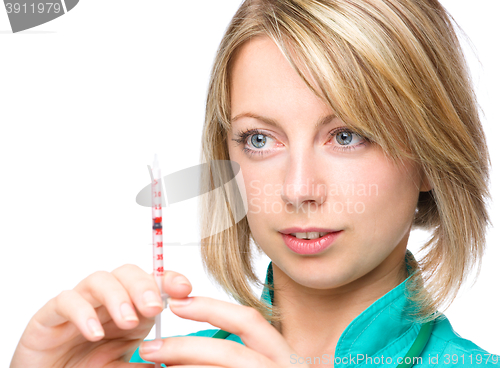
[(88, 98)]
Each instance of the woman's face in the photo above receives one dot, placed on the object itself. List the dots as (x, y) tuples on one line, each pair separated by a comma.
[(299, 175)]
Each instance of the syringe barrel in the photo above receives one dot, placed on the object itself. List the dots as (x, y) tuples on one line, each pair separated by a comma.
[(157, 226)]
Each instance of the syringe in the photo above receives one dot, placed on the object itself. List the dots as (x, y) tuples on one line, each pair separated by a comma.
[(156, 196)]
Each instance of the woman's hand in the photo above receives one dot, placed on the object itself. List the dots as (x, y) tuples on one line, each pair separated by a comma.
[(264, 346), (100, 323)]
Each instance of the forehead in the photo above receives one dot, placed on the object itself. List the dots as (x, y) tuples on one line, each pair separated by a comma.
[(261, 78), (260, 60), (260, 57)]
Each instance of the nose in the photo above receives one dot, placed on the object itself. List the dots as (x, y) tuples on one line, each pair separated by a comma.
[(304, 181)]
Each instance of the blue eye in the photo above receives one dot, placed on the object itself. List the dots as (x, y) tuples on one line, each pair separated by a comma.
[(258, 139), (344, 136)]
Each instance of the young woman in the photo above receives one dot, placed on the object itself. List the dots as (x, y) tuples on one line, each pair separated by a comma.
[(353, 122)]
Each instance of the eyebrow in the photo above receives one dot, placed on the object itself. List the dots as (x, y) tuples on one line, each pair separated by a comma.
[(323, 121)]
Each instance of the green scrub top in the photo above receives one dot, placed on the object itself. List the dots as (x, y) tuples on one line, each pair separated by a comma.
[(382, 335)]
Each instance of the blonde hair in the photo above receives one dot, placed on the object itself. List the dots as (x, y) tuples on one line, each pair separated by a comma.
[(394, 72)]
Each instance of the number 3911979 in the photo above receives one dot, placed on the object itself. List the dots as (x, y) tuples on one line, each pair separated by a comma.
[(33, 8)]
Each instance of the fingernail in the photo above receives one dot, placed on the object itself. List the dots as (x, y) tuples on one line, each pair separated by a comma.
[(180, 280), (179, 302), (151, 299), (95, 328), (128, 313), (150, 346)]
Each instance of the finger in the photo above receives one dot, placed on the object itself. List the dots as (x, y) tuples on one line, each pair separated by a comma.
[(246, 322), (71, 306), (176, 285), (103, 288), (143, 289), (211, 352)]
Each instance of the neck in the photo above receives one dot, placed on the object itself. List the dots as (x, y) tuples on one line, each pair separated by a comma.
[(315, 319)]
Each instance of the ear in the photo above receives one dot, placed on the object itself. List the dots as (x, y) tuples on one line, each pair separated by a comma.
[(425, 184)]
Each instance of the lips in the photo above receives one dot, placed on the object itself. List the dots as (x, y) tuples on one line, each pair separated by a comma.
[(312, 246)]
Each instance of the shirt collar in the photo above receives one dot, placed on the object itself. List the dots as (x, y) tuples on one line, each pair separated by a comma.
[(385, 328)]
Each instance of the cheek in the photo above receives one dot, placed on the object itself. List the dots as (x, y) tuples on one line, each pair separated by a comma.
[(258, 207), (266, 208), (388, 199), (262, 182), (263, 195)]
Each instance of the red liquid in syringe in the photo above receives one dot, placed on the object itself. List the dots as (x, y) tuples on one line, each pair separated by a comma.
[(157, 227)]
